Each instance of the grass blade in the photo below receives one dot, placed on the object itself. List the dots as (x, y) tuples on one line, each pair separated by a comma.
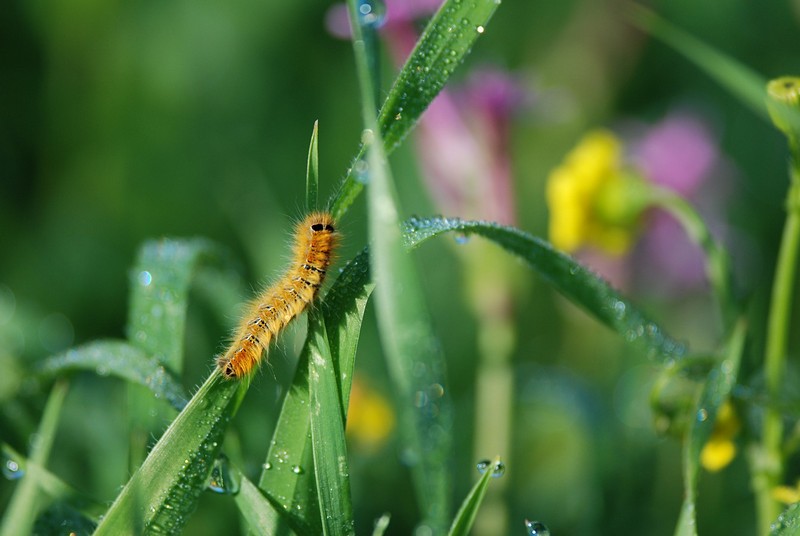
[(327, 436), (465, 517), (119, 359), (312, 170), (718, 386), (164, 490), (259, 513), (446, 41), (294, 493), (574, 281), (28, 499)]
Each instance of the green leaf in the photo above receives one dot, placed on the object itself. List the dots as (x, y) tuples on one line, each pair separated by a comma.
[(413, 355), (165, 489), (570, 278), (119, 359), (447, 40), (28, 499), (327, 435), (259, 513), (312, 170), (788, 523), (465, 517), (162, 279), (294, 492), (381, 524), (740, 81), (715, 392)]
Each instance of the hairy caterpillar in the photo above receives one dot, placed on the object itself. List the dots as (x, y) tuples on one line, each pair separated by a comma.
[(315, 239)]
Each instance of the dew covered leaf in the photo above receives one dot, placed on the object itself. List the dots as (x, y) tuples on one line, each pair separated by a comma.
[(288, 479), (164, 490), (570, 278), (119, 359), (446, 41), (465, 516)]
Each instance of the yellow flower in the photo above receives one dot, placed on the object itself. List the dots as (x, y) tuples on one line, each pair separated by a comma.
[(720, 448), (593, 199), (370, 418), (786, 494)]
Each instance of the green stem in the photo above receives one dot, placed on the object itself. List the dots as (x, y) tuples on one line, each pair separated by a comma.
[(716, 258), (768, 471)]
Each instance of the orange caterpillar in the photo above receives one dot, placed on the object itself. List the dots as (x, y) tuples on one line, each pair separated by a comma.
[(315, 239)]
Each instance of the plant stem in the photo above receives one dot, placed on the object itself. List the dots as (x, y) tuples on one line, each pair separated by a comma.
[(716, 258), (768, 469)]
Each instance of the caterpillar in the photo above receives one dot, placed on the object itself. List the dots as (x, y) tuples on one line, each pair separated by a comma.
[(315, 239)]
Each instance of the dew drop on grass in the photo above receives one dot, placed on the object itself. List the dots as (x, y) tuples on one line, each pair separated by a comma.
[(221, 479), (371, 13), (535, 528), (498, 468), (12, 470)]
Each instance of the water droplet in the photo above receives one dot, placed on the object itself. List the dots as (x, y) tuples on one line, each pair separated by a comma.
[(480, 29), (461, 238), (267, 466), (296, 469), (221, 479), (12, 470), (483, 465), (536, 528), (499, 469), (361, 171), (619, 309), (372, 13), (702, 414), (145, 278)]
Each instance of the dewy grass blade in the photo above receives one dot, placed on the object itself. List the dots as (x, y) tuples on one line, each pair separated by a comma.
[(570, 278), (716, 390), (119, 359), (165, 489), (447, 40), (162, 279), (312, 171), (28, 500), (288, 476), (327, 435), (465, 517), (256, 509)]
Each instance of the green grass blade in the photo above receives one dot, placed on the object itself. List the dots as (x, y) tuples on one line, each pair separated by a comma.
[(414, 357), (119, 359), (788, 523), (259, 513), (165, 489), (465, 517), (162, 278), (28, 499), (716, 390), (381, 524), (447, 40), (740, 81), (312, 170), (293, 491), (327, 435), (574, 281)]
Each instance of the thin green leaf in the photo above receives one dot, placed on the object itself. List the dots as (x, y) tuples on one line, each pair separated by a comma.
[(162, 278), (570, 278), (165, 489), (415, 361), (312, 170), (788, 523), (447, 40), (119, 359), (327, 435), (715, 392), (465, 517), (28, 499), (292, 491), (740, 81), (259, 513), (381, 524)]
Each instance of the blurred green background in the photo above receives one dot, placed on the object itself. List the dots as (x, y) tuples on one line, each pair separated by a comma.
[(126, 121)]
